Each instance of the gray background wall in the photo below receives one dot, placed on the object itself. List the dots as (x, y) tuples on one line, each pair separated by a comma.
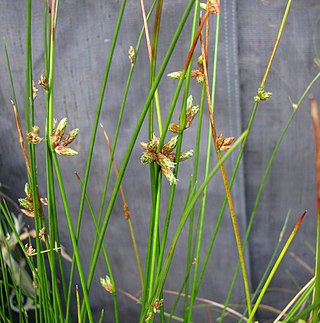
[(248, 31)]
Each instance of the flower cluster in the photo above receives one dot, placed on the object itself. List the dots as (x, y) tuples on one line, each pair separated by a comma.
[(212, 6), (34, 90), (29, 249), (132, 55), (224, 144), (197, 74), (60, 141), (33, 135), (107, 284), (165, 156), (43, 82), (191, 112), (155, 307), (27, 202), (262, 95)]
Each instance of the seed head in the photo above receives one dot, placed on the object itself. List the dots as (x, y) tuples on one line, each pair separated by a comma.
[(189, 101), (132, 55), (198, 75), (167, 172), (44, 200), (153, 144), (28, 192), (147, 158), (42, 232), (317, 61), (33, 135), (186, 154), (157, 304), (70, 137), (192, 111), (224, 144), (61, 141), (59, 132), (26, 204), (29, 249), (107, 284), (43, 82), (144, 145), (200, 64), (164, 161), (175, 75), (170, 145), (262, 95), (213, 6), (34, 90), (65, 151), (174, 127)]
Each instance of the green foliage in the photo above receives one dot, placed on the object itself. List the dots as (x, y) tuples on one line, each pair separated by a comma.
[(30, 271)]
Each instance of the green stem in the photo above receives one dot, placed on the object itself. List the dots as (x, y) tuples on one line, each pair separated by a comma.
[(101, 97), (73, 237), (105, 255), (254, 110), (195, 285), (276, 44), (275, 267), (114, 143), (136, 131), (191, 243), (226, 185), (315, 122), (95, 127), (162, 276), (153, 63), (316, 299), (300, 302), (270, 263), (155, 240), (265, 177)]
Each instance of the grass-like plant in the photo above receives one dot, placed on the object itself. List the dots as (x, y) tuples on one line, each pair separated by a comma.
[(33, 262)]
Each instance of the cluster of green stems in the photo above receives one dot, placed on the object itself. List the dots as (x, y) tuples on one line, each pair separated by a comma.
[(55, 301)]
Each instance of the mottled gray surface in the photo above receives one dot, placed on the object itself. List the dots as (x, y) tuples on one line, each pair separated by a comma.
[(248, 31)]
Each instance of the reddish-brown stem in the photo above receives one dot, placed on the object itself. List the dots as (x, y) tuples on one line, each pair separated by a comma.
[(126, 210), (145, 23), (225, 181), (53, 13), (125, 204), (315, 121), (207, 37), (24, 151), (191, 51), (21, 140)]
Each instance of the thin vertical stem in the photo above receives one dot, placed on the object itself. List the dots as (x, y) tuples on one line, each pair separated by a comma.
[(227, 188), (126, 211), (133, 140), (155, 240), (73, 237), (315, 123), (152, 52), (276, 44)]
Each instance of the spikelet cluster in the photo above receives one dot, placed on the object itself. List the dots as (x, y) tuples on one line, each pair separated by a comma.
[(165, 157)]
